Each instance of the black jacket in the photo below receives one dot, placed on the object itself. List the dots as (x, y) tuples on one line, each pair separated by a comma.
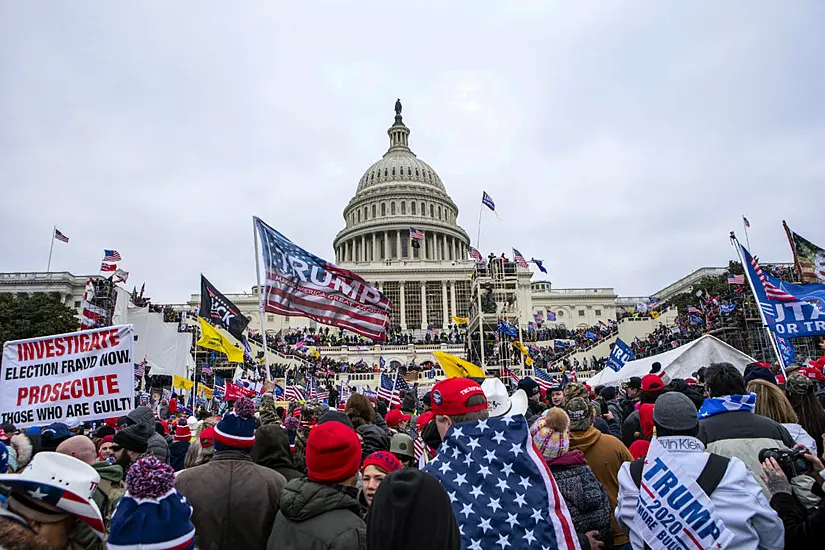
[(177, 452), (630, 427), (374, 439), (317, 517), (802, 530), (271, 449)]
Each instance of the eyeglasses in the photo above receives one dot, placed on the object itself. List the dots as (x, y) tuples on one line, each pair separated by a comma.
[(116, 448)]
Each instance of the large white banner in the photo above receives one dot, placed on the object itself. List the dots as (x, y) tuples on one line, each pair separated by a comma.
[(87, 375)]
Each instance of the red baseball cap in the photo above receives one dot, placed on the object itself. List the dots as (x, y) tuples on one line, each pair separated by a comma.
[(449, 397), (812, 373), (651, 382), (423, 419), (395, 416)]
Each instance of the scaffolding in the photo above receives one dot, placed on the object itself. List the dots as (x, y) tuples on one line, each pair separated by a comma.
[(494, 298)]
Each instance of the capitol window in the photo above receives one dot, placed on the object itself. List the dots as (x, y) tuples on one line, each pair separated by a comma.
[(393, 170), (359, 215), (403, 207), (581, 313), (416, 172), (439, 212), (373, 210), (423, 209), (598, 312), (560, 314), (432, 211), (383, 209), (412, 208), (392, 208)]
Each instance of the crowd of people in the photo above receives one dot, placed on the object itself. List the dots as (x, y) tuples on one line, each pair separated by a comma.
[(739, 450)]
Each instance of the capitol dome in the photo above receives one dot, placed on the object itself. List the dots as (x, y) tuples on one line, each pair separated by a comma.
[(396, 195)]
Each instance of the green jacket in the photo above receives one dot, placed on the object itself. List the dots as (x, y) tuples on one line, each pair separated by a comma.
[(317, 517), (107, 495)]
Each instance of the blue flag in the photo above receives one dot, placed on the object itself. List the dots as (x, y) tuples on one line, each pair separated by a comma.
[(381, 362), (501, 490), (487, 200), (790, 310), (539, 265), (786, 350), (620, 355), (727, 308), (591, 335), (696, 320)]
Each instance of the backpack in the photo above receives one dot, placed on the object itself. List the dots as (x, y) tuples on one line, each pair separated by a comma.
[(709, 478)]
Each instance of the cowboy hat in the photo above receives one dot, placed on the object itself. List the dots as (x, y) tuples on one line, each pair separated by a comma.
[(501, 404), (61, 482)]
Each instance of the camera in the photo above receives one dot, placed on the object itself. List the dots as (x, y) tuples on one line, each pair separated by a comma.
[(792, 461)]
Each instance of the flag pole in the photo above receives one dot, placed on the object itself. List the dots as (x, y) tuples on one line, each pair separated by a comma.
[(480, 322), (478, 233), (770, 334), (745, 226), (260, 298), (51, 247)]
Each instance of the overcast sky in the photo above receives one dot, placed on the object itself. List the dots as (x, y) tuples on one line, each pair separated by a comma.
[(621, 141)]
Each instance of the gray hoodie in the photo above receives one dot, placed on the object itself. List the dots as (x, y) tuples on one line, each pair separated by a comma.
[(156, 444)]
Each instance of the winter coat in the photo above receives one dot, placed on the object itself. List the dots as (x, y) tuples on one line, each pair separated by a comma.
[(271, 450), (628, 406), (374, 439), (802, 529), (743, 434), (317, 517), (630, 427), (608, 427), (800, 436), (605, 455), (234, 501), (16, 533), (177, 454), (157, 444), (24, 449), (738, 501), (585, 497), (110, 489)]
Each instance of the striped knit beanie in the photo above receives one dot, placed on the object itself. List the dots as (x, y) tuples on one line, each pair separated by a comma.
[(236, 430)]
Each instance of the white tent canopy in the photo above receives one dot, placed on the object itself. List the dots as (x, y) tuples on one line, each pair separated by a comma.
[(679, 362)]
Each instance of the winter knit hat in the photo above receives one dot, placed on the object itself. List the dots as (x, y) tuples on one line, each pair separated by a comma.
[(798, 384), (551, 433), (182, 431), (581, 414), (133, 438), (152, 514), (575, 389), (760, 373), (236, 430), (333, 453), (384, 460)]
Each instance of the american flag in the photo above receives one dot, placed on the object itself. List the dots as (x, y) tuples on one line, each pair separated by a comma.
[(60, 236), (111, 255), (312, 392), (278, 393), (108, 267), (416, 234), (772, 291), (736, 279), (418, 448), (544, 380), (343, 396), (574, 377), (207, 371), (140, 369), (392, 392), (294, 393), (219, 389), (501, 490), (92, 315), (520, 259), (299, 283), (67, 501), (476, 255), (513, 376)]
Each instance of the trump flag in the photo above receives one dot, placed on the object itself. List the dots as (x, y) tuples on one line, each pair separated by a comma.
[(298, 283)]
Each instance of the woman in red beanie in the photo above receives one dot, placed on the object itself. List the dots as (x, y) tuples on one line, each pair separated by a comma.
[(373, 471)]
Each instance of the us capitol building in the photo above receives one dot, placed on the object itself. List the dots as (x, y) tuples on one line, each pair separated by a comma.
[(427, 283)]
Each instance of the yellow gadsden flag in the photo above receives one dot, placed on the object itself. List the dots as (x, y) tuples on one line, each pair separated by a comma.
[(181, 383), (455, 367), (460, 320), (212, 339), (654, 314), (205, 391)]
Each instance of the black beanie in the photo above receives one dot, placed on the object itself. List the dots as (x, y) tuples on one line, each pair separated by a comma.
[(608, 393), (410, 511), (132, 438), (335, 416)]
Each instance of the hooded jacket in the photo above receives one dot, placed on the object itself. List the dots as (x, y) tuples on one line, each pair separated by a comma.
[(177, 454), (411, 511), (585, 497), (605, 455), (23, 448), (234, 501), (317, 517), (271, 449), (374, 439), (738, 501), (156, 443), (110, 489)]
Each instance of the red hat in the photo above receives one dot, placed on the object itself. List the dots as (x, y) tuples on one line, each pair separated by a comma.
[(182, 431), (333, 453), (651, 382), (384, 460), (207, 437), (449, 397), (812, 373), (690, 381), (423, 419), (395, 416), (3, 435)]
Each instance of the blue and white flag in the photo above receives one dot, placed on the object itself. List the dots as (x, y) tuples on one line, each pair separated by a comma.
[(501, 490), (727, 403), (727, 308), (591, 335), (487, 201), (790, 310), (696, 320), (786, 350), (619, 355)]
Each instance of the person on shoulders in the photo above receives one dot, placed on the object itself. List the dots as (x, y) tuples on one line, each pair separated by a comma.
[(679, 476)]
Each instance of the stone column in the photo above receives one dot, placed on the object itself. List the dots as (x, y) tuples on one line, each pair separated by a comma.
[(452, 244), (380, 286), (386, 245), (452, 299), (398, 244), (346, 251), (363, 248), (374, 247), (444, 305), (423, 304), (403, 307)]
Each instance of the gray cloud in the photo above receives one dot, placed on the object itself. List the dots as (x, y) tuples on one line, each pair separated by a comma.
[(621, 141)]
